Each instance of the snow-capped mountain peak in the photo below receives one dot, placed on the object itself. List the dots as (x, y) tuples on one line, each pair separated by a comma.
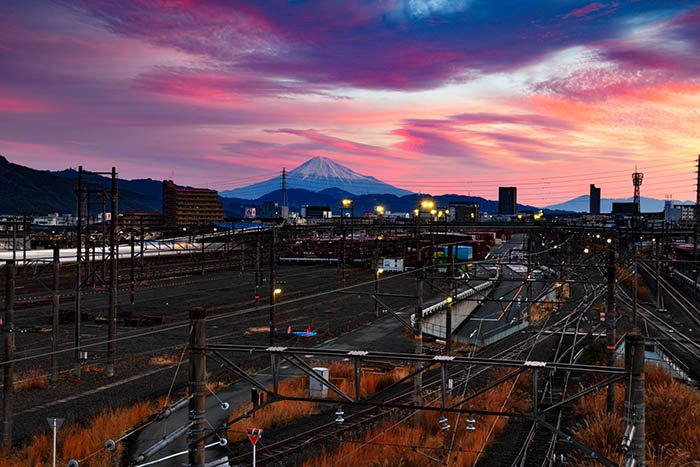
[(326, 168), (318, 174)]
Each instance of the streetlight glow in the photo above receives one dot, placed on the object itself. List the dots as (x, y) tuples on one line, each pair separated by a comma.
[(448, 299), (346, 202), (379, 210), (427, 204), (277, 291)]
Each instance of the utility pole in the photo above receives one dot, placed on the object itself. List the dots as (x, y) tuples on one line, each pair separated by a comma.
[(658, 273), (14, 238), (272, 287), (610, 323), (258, 269), (634, 281), (202, 238), (78, 273), (113, 259), (143, 244), (132, 272), (696, 227), (89, 261), (55, 311), (285, 200), (448, 312), (341, 261), (104, 236), (418, 330), (634, 405), (197, 387), (25, 234), (448, 327), (8, 369)]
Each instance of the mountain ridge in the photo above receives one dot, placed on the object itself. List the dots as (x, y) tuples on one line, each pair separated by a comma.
[(581, 204)]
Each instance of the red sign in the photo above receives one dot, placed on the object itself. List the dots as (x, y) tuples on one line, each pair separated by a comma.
[(254, 435)]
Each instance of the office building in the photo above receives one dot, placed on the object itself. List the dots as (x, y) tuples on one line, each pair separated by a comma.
[(507, 200), (594, 200)]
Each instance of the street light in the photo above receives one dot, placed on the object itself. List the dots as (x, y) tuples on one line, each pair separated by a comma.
[(427, 204), (379, 210), (380, 271), (448, 327), (345, 203), (586, 250), (273, 300)]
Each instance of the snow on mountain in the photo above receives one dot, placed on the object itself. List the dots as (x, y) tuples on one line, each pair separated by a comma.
[(318, 174)]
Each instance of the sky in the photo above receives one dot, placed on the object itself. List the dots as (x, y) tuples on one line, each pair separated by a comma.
[(434, 96)]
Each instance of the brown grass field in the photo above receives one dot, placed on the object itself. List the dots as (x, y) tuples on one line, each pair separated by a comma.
[(391, 442), (672, 422), (76, 441), (283, 412)]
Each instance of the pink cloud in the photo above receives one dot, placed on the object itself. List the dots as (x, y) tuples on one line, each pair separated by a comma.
[(601, 8)]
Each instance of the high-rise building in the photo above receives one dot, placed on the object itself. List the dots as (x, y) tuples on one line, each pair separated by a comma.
[(184, 206), (507, 200), (594, 200)]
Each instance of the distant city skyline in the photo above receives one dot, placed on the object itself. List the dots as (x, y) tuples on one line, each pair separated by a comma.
[(432, 96)]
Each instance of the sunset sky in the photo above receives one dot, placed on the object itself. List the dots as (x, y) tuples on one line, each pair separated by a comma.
[(435, 96)]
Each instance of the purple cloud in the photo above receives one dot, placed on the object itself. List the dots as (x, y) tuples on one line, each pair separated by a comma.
[(595, 7), (370, 45)]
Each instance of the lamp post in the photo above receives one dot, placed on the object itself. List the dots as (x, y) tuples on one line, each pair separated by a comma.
[(376, 291), (273, 303), (345, 204), (448, 327)]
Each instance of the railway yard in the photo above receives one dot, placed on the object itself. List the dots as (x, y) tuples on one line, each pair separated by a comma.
[(485, 358)]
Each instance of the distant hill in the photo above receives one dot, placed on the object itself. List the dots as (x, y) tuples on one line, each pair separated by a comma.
[(581, 204), (318, 174), (24, 190)]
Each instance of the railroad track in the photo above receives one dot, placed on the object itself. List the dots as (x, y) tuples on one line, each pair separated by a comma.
[(282, 449), (539, 444)]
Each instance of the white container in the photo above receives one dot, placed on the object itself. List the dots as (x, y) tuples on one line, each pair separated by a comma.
[(316, 388)]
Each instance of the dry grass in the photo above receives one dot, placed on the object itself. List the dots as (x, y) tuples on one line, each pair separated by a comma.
[(31, 379), (283, 412), (390, 443), (163, 360), (672, 414), (279, 413), (342, 375), (76, 441)]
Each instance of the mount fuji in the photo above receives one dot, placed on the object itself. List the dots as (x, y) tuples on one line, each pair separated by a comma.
[(318, 174)]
